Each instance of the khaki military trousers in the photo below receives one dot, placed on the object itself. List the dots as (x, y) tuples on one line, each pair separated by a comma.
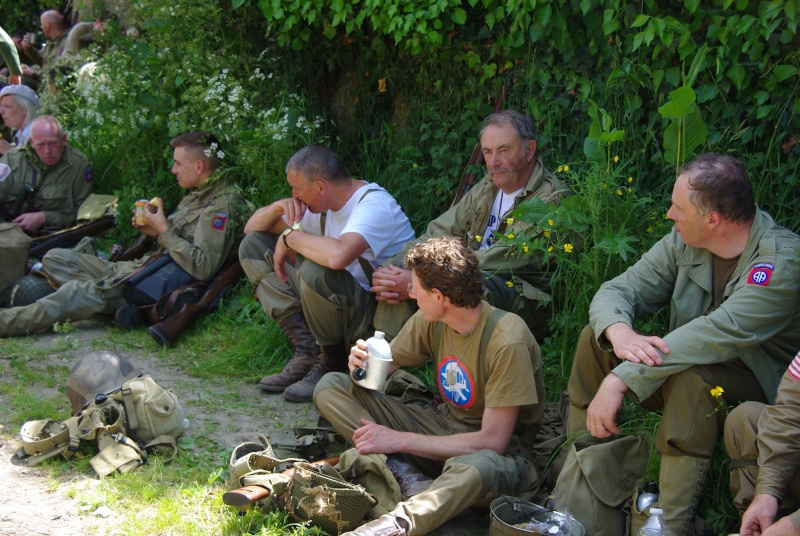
[(460, 482), (741, 429), (335, 306), (692, 419), (77, 298)]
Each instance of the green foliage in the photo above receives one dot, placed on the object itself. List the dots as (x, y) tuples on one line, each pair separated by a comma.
[(687, 132), (593, 235)]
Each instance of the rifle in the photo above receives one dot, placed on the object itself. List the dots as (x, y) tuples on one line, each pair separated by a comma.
[(168, 330), (476, 158), (69, 237), (247, 495)]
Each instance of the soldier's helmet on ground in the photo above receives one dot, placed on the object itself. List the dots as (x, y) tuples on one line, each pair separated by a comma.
[(98, 373), (28, 290)]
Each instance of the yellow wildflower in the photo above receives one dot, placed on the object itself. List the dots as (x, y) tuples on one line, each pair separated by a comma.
[(550, 223), (568, 248), (566, 168), (525, 248), (414, 165), (630, 179), (560, 169), (616, 159), (619, 192), (510, 221), (510, 283), (510, 235), (478, 238), (630, 190), (717, 391), (550, 248), (547, 234)]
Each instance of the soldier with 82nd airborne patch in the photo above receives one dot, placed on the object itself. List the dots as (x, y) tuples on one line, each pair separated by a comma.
[(731, 277), (200, 236)]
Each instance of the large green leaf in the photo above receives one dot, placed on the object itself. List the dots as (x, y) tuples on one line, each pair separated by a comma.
[(680, 103), (459, 16), (784, 71), (697, 64), (736, 75), (695, 133), (593, 151), (683, 136)]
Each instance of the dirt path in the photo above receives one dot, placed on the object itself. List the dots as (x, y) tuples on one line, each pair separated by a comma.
[(33, 502)]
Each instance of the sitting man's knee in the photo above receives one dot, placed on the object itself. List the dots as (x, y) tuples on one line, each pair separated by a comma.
[(498, 474), (330, 381)]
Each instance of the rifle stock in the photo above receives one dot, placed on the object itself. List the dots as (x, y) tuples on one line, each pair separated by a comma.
[(247, 495), (476, 158), (69, 237), (168, 330)]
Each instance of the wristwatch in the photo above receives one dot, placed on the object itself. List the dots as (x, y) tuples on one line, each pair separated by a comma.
[(283, 236)]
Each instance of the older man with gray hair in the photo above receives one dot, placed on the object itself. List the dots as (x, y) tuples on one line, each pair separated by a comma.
[(18, 106), (514, 280)]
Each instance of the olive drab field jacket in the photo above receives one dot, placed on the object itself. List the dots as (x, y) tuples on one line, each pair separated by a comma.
[(758, 320), (204, 232), (470, 216), (58, 190)]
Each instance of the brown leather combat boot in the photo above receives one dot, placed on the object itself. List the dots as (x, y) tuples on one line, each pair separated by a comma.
[(331, 359), (306, 353), (412, 481)]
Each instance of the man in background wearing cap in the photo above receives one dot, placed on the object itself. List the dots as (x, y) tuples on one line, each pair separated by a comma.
[(18, 106), (43, 183)]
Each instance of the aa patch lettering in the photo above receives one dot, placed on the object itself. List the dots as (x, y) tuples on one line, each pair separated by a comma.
[(761, 274), (455, 383), (5, 171), (219, 221)]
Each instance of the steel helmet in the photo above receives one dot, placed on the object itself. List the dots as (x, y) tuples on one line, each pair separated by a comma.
[(98, 373), (28, 290)]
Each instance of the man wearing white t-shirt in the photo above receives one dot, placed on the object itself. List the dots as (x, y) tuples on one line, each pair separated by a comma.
[(343, 228), (514, 280)]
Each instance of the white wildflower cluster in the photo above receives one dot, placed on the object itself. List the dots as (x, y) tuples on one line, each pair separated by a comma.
[(221, 101), (257, 75), (213, 150), (308, 127)]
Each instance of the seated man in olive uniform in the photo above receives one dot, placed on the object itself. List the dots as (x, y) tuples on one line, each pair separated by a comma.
[(764, 445), (200, 236), (513, 280), (42, 185)]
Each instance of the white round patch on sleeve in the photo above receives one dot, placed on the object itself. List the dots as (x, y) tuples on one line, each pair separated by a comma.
[(5, 171)]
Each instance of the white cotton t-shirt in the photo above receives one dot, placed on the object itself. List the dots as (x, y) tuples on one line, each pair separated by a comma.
[(502, 204), (376, 216)]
